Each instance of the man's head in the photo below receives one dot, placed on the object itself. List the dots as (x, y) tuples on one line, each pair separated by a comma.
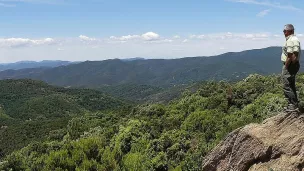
[(288, 30)]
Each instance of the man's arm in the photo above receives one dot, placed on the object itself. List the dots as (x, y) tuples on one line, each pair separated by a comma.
[(293, 49), (291, 58)]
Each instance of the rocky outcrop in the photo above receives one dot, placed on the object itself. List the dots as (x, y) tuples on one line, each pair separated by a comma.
[(275, 145)]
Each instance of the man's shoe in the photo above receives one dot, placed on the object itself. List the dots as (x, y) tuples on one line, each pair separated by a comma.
[(291, 109)]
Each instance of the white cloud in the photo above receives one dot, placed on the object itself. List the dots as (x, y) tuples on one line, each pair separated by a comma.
[(263, 13), (20, 42), (166, 41), (201, 36), (261, 36), (249, 36), (159, 41), (86, 38), (125, 38), (150, 36), (148, 44), (272, 4), (76, 49), (7, 5), (300, 35), (192, 36), (197, 36), (129, 37), (255, 36), (176, 37), (230, 36), (45, 41)]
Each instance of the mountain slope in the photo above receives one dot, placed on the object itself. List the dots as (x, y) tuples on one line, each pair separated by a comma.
[(158, 72), (33, 110), (24, 99), (32, 64), (276, 144), (132, 92)]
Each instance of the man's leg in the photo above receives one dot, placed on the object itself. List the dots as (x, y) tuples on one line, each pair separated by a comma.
[(288, 80), (294, 70), (293, 97)]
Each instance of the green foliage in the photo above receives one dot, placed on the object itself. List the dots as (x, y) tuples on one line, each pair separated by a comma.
[(159, 137), (52, 106), (130, 138), (20, 134), (74, 155), (57, 135), (35, 111), (92, 100), (156, 110), (160, 162), (132, 92), (134, 162), (4, 118), (24, 99)]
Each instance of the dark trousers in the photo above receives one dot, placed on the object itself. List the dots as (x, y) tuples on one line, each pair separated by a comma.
[(289, 83)]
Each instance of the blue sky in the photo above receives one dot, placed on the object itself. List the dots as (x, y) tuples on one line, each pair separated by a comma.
[(103, 29)]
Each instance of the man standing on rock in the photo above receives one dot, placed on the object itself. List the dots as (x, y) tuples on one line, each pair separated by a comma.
[(291, 65)]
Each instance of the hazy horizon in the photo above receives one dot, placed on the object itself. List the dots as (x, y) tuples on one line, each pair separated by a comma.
[(146, 58)]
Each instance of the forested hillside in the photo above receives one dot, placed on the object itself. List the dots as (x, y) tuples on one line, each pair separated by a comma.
[(132, 92), (175, 136), (147, 93), (31, 110), (158, 72)]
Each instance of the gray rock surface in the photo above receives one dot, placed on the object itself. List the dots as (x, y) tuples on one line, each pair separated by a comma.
[(275, 145)]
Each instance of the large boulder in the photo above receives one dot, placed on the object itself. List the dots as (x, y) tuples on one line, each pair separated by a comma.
[(276, 144)]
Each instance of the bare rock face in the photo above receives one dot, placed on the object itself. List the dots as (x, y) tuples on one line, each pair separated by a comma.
[(275, 145)]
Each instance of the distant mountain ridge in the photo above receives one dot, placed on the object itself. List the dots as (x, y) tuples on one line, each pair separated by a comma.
[(33, 64), (158, 72), (133, 59)]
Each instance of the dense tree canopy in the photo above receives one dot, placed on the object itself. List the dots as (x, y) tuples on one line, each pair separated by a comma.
[(31, 110), (174, 136)]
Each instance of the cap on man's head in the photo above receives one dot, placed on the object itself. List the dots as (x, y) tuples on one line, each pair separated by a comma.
[(289, 27)]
